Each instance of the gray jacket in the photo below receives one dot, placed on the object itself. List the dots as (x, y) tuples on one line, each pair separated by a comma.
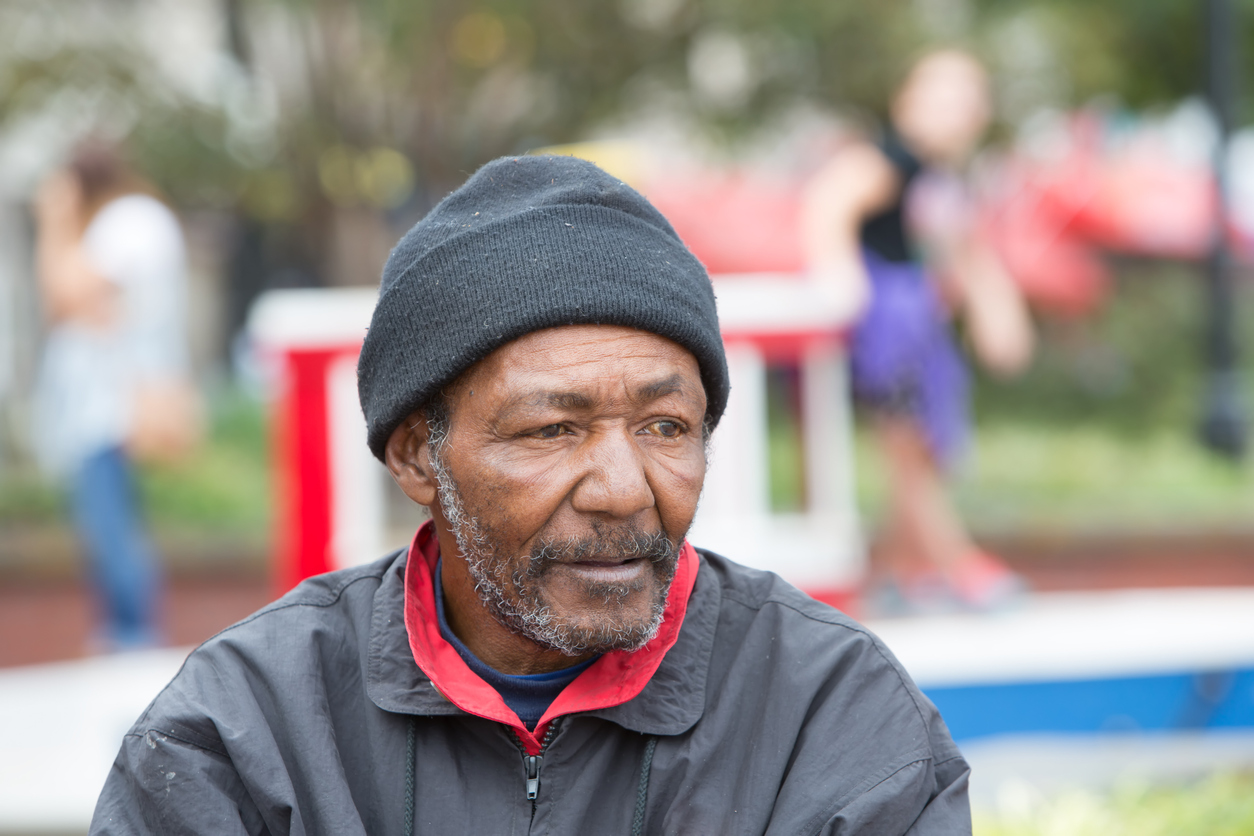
[(772, 713)]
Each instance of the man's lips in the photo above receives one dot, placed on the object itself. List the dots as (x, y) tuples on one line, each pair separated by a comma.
[(603, 561), (607, 570)]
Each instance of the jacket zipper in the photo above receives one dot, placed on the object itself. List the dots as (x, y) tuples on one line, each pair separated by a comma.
[(532, 764), (533, 776)]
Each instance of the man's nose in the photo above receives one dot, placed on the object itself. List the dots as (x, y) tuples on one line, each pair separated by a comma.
[(613, 482)]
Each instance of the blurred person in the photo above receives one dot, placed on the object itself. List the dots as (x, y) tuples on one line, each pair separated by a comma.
[(114, 378), (549, 655), (890, 227)]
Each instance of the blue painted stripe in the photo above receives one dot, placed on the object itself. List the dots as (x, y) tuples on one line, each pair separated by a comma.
[(1168, 702)]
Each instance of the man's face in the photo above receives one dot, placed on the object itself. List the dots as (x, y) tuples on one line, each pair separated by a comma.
[(570, 472)]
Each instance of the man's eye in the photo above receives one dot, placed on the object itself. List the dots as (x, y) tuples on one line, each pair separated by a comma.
[(551, 431), (666, 429)]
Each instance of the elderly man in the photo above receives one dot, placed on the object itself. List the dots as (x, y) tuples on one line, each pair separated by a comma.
[(549, 655)]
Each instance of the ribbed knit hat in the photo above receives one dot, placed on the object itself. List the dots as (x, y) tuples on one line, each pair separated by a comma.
[(529, 243)]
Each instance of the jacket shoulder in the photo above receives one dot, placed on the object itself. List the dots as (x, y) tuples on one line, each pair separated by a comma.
[(334, 603), (760, 605), (324, 621), (756, 588), (326, 589), (812, 645)]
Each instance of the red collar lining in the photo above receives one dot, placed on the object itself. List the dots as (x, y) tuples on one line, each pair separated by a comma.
[(613, 679)]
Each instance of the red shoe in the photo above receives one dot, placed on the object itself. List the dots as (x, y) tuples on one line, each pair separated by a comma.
[(918, 593), (982, 582)]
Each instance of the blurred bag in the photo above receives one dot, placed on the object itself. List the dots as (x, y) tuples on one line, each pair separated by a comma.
[(168, 421)]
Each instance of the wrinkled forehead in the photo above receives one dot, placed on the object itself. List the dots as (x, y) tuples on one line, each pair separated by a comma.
[(585, 362)]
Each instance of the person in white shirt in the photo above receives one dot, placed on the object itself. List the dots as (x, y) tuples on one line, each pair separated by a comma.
[(113, 384)]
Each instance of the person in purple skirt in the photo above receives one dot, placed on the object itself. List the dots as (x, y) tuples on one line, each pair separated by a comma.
[(889, 227)]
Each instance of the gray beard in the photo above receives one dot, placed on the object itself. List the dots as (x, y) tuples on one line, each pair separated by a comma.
[(514, 600)]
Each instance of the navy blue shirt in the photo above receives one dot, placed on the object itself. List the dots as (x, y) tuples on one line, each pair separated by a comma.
[(884, 233), (529, 695)]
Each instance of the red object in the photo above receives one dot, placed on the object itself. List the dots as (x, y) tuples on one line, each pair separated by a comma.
[(1147, 204), (612, 680), (843, 598), (1049, 219), (1032, 229), (745, 223), (784, 347), (303, 446), (735, 223)]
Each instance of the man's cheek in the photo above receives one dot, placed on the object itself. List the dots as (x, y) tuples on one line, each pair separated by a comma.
[(685, 472), (509, 492)]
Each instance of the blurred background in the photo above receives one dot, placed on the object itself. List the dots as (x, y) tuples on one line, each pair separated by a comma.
[(298, 139)]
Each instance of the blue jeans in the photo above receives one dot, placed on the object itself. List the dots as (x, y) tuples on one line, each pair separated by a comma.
[(121, 559)]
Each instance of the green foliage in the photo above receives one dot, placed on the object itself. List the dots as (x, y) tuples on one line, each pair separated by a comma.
[(1135, 366), (454, 84), (1221, 805), (450, 84), (225, 487), (27, 498), (1040, 478), (1146, 52), (1090, 478), (1101, 431), (183, 148)]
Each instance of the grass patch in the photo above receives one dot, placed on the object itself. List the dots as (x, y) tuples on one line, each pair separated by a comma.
[(1221, 805), (1021, 477), (26, 497), (1087, 477), (224, 488)]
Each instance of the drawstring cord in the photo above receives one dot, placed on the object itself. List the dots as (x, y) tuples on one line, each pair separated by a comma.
[(410, 737), (642, 793)]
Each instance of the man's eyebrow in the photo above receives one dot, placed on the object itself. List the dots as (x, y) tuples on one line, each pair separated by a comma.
[(661, 388), (564, 400), (577, 401), (572, 401)]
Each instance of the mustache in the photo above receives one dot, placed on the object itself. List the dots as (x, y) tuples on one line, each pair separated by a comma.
[(615, 545)]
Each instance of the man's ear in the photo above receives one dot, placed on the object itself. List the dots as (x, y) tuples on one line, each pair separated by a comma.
[(407, 456)]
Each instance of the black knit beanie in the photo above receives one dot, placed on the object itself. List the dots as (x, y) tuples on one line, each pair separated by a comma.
[(529, 243)]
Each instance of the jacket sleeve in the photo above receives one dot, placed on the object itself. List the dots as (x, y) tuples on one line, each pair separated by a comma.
[(160, 784), (873, 758), (892, 807), (949, 811)]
